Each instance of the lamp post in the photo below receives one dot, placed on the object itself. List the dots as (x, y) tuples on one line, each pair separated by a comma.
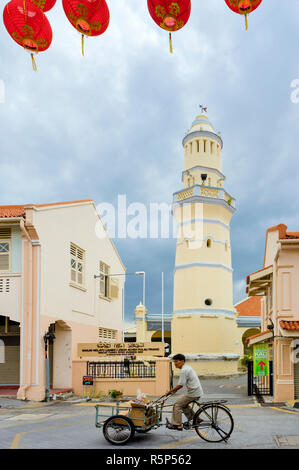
[(162, 308), (137, 273)]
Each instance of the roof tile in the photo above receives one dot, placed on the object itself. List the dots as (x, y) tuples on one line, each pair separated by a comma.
[(289, 325), (250, 307)]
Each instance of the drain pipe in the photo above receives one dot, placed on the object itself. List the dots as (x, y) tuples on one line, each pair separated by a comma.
[(47, 367)]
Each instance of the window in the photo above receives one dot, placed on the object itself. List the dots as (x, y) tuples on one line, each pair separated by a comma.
[(5, 249), (106, 333), (77, 265), (209, 243), (104, 279), (208, 302)]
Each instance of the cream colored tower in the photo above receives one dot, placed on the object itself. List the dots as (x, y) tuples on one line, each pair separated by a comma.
[(204, 324)]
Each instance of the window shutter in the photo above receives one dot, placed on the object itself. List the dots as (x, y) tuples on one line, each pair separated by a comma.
[(104, 280), (77, 264), (4, 256), (114, 289), (5, 233), (107, 333)]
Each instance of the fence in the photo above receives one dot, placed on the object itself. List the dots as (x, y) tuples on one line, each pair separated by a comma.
[(260, 385), (151, 377), (122, 369)]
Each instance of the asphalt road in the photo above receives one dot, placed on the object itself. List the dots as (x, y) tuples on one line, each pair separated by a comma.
[(71, 425)]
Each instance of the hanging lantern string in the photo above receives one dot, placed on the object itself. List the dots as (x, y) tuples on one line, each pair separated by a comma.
[(246, 22), (170, 43), (83, 44), (33, 63)]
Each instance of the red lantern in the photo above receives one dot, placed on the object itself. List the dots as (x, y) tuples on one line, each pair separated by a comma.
[(170, 15), (89, 17), (44, 5), (28, 26), (243, 7)]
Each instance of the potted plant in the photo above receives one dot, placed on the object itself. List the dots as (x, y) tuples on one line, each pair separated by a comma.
[(115, 394)]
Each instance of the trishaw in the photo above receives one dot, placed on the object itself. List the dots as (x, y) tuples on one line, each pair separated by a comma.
[(212, 420)]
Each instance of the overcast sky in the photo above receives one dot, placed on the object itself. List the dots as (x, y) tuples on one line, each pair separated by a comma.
[(112, 122)]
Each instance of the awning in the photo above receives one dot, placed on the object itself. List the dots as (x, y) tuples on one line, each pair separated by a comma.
[(258, 281), (259, 338)]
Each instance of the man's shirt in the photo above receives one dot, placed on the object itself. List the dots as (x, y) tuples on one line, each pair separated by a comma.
[(189, 379)]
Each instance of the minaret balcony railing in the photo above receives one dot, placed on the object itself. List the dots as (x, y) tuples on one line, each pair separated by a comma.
[(206, 192)]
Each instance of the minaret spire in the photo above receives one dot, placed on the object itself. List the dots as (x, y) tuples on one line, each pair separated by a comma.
[(203, 326)]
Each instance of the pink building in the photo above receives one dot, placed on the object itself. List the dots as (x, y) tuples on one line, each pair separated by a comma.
[(49, 254), (278, 283)]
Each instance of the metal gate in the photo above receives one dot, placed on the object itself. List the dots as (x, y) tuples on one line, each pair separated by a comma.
[(260, 385), (296, 380)]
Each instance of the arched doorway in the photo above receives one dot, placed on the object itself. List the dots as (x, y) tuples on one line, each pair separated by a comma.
[(157, 336), (60, 356), (246, 334)]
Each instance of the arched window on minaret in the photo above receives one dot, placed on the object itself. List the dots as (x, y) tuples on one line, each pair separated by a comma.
[(204, 145), (212, 147), (197, 142), (209, 243), (190, 147)]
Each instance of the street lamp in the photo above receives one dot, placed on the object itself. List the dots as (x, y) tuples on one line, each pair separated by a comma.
[(137, 273)]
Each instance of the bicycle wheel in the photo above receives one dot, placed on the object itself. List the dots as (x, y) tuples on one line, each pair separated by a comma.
[(213, 423), (118, 430)]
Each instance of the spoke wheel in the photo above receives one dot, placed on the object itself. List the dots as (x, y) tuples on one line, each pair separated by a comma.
[(213, 423), (118, 430)]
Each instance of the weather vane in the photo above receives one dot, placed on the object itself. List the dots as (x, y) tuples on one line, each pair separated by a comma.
[(203, 110)]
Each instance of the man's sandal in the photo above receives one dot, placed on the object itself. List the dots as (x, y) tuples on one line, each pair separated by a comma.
[(174, 427)]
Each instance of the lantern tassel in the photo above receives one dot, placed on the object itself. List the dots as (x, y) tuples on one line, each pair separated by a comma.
[(170, 43), (83, 44), (246, 22), (33, 63)]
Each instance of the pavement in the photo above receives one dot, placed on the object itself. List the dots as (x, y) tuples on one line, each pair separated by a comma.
[(70, 424)]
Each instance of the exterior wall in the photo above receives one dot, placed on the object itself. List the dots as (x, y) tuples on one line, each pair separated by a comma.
[(57, 228), (210, 334), (283, 371), (271, 247), (49, 298), (10, 298), (287, 285), (151, 387)]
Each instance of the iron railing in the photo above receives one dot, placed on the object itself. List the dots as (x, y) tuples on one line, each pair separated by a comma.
[(122, 369), (260, 386)]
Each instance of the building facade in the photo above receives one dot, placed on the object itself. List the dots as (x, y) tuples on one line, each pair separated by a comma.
[(277, 282), (203, 325), (49, 254)]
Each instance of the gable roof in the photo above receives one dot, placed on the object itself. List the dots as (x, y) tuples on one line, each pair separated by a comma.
[(250, 307), (19, 210)]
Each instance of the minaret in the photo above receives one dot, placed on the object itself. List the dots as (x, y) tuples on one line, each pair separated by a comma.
[(203, 324)]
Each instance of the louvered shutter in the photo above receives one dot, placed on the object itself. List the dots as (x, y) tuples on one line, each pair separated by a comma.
[(104, 279), (77, 264), (114, 288)]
